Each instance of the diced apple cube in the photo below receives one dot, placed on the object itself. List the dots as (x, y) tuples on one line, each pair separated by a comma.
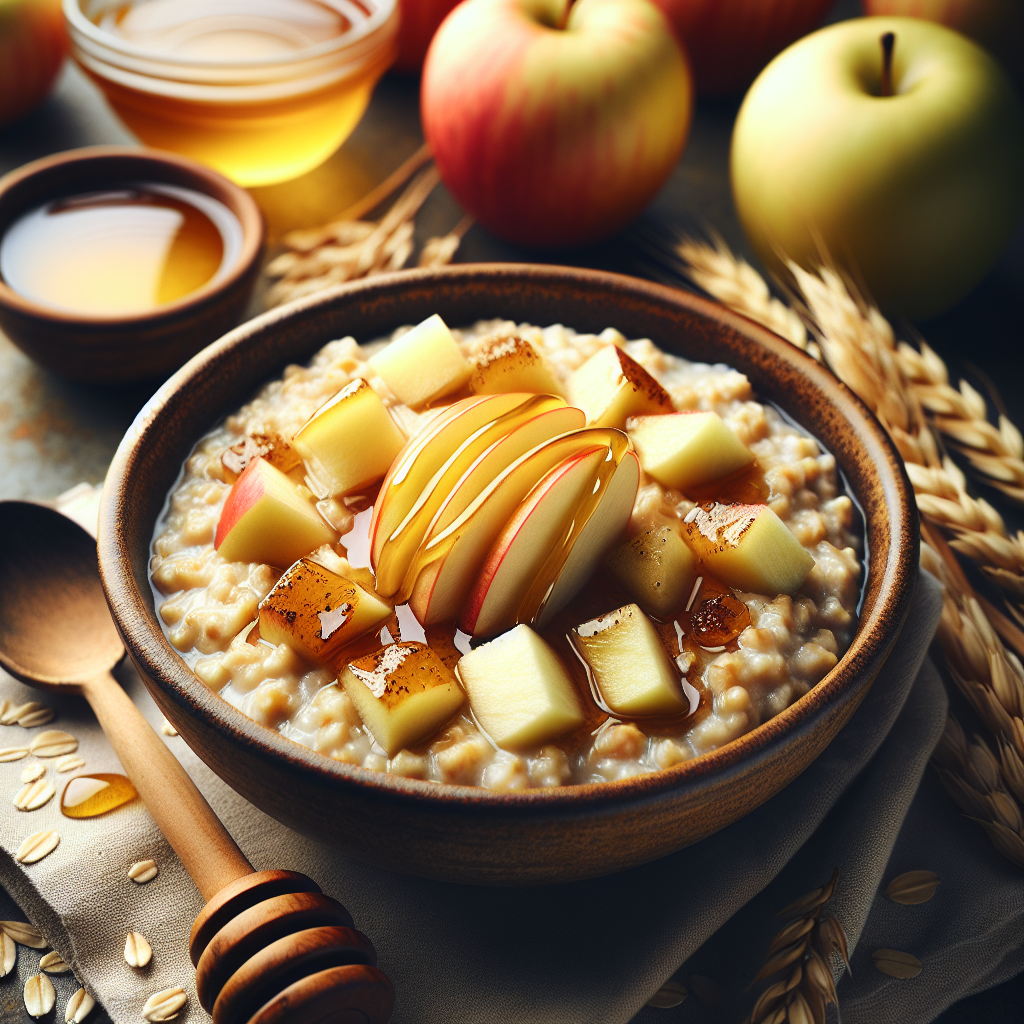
[(403, 693), (631, 667), (657, 569), (687, 449), (274, 449), (317, 612), (350, 441), (267, 519), (512, 364), (423, 365), (748, 547), (519, 690), (611, 386)]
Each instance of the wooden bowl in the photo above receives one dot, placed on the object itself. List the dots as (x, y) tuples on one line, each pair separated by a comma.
[(148, 346), (463, 833)]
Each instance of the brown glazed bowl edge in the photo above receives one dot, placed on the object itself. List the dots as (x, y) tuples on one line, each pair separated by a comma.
[(464, 833)]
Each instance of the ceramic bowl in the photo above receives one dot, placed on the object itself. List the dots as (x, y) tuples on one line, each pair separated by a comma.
[(116, 349), (462, 833)]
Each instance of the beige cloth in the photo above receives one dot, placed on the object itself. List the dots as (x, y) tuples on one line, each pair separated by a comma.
[(591, 951)]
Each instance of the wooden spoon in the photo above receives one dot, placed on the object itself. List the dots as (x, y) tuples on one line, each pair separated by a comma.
[(269, 946)]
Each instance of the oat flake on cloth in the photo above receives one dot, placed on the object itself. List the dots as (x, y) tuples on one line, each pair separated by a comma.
[(585, 952)]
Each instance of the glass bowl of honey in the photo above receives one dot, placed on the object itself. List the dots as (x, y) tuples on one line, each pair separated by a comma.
[(261, 90)]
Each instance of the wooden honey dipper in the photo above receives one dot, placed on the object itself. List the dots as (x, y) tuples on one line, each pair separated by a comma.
[(269, 947)]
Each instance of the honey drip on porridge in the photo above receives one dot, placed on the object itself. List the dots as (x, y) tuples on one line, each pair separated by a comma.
[(89, 796)]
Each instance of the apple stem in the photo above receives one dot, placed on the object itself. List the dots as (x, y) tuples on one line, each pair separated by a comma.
[(564, 20), (888, 42)]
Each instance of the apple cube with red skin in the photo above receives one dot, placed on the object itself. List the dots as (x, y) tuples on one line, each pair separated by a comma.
[(687, 449), (423, 365), (657, 569), (611, 386), (512, 364), (403, 693), (630, 665), (748, 547), (267, 519), (350, 441), (316, 612), (519, 690)]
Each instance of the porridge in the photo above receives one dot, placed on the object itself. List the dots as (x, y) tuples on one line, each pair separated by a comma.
[(508, 556)]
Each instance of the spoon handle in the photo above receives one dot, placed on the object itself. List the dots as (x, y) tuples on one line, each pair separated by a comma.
[(187, 821)]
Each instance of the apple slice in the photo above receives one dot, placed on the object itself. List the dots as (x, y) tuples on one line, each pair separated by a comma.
[(539, 418), (657, 569), (452, 557), (350, 441), (687, 449), (317, 612), (403, 693), (748, 547), (266, 519), (540, 524), (509, 363), (630, 665), (519, 690), (423, 365), (424, 454), (611, 386)]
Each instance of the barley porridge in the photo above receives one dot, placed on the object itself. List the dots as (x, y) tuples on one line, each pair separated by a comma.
[(656, 634)]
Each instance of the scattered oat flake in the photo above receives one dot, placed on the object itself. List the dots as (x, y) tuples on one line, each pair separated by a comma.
[(69, 762), (24, 934), (53, 743), (39, 995), (143, 871), (53, 963), (32, 772), (39, 716), (913, 887), (12, 712), (37, 846), (167, 729), (79, 1007), (10, 954), (672, 993), (12, 753), (165, 1005), (34, 795), (896, 963), (137, 951)]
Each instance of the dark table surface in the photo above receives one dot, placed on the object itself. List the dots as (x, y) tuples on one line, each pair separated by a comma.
[(54, 434)]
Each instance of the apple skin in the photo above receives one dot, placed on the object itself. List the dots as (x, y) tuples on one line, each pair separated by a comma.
[(33, 44), (997, 24), (729, 41), (552, 137), (419, 22), (914, 195)]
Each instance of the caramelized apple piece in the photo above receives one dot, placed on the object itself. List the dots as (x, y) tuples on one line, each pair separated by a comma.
[(267, 519), (519, 690), (423, 365), (274, 449), (748, 547), (403, 693), (631, 667), (350, 441), (718, 619), (611, 386), (317, 612), (657, 569), (512, 364)]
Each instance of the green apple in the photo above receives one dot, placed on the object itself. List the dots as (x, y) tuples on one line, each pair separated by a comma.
[(914, 193)]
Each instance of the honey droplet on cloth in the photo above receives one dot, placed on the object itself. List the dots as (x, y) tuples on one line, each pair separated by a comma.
[(88, 796)]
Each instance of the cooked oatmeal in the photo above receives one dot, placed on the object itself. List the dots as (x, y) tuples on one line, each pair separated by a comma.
[(207, 605)]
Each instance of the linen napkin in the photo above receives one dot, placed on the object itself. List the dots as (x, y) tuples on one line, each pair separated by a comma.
[(587, 951)]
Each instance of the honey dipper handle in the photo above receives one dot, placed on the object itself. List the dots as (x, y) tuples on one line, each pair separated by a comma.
[(199, 839)]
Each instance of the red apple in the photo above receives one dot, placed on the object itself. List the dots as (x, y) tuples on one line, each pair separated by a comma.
[(729, 41), (553, 135), (33, 42), (420, 19), (997, 24)]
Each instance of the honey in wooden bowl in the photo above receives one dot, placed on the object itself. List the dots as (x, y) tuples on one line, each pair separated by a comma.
[(261, 90), (121, 251)]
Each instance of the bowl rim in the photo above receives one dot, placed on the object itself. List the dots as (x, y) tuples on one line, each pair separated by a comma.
[(877, 629), (203, 179)]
